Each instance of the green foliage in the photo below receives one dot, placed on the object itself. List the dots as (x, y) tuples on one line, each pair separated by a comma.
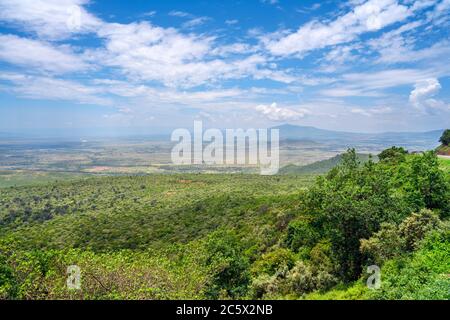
[(197, 236), (424, 275), (391, 240), (424, 184), (303, 278), (393, 154), (300, 233), (416, 226), (445, 138), (270, 262), (323, 166), (445, 165), (351, 203), (355, 291), (384, 244), (230, 266)]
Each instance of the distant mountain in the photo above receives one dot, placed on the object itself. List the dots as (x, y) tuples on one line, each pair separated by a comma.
[(323, 166), (293, 132), (412, 140)]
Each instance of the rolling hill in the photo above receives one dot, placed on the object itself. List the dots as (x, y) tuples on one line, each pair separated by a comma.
[(320, 167)]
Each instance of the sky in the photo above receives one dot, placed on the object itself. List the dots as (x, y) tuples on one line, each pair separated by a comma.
[(359, 65)]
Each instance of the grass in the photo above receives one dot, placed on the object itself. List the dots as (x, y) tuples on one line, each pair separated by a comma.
[(445, 164)]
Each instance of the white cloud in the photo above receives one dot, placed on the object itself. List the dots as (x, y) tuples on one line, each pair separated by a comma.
[(37, 87), (275, 113), (422, 95), (51, 19), (348, 92), (394, 47), (270, 1), (39, 55), (231, 21), (146, 52), (373, 15), (369, 112), (180, 14), (385, 79), (149, 14), (235, 48), (195, 22)]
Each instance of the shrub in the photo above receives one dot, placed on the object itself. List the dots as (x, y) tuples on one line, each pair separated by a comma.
[(230, 267), (445, 138), (273, 261), (393, 154), (424, 275), (384, 244), (300, 233), (414, 228)]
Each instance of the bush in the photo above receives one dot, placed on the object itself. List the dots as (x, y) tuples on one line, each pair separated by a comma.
[(392, 241), (383, 245), (424, 275), (351, 203), (230, 267), (273, 261), (414, 228), (445, 138), (300, 233), (303, 278), (393, 154)]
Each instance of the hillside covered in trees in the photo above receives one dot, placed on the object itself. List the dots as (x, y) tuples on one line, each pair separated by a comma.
[(444, 148), (234, 236)]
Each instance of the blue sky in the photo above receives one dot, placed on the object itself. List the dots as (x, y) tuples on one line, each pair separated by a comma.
[(374, 65)]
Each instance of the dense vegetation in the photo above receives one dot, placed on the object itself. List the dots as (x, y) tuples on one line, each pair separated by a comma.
[(444, 148), (323, 166), (445, 138), (200, 236)]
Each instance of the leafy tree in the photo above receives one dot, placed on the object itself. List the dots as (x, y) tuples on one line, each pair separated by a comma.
[(300, 233), (273, 261), (395, 154), (352, 202), (230, 267), (445, 138), (392, 240), (383, 245), (425, 183), (414, 228), (424, 275)]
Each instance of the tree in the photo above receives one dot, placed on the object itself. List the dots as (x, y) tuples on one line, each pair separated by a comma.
[(425, 183), (395, 154), (445, 138), (352, 202), (230, 266)]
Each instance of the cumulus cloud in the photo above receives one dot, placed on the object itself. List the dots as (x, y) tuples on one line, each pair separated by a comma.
[(275, 113), (422, 95), (149, 65), (39, 54), (370, 16)]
